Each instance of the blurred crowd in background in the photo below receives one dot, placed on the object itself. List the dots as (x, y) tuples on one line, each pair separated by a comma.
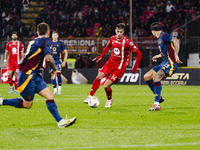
[(98, 18)]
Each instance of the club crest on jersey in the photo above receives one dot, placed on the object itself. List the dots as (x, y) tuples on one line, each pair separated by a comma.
[(14, 50), (116, 51), (57, 45), (159, 42), (117, 42)]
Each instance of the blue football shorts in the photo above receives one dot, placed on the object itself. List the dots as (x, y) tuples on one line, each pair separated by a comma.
[(29, 84), (167, 67)]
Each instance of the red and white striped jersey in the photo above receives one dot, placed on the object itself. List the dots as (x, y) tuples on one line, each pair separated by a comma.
[(121, 51), (14, 49)]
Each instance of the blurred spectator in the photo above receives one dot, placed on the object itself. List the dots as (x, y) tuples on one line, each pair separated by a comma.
[(90, 63), (169, 7), (79, 62), (67, 15)]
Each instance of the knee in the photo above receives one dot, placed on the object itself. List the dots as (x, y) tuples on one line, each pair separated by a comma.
[(100, 76), (27, 105), (155, 79), (106, 86), (58, 74), (146, 77)]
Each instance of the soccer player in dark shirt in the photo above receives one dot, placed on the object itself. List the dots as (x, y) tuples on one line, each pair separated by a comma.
[(30, 81), (169, 48)]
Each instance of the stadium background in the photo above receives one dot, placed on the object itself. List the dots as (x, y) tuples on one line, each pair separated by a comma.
[(85, 26)]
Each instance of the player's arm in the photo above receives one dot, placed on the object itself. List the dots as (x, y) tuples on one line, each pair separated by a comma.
[(139, 56), (49, 59), (138, 59), (50, 62), (106, 49), (5, 60), (176, 47), (22, 50), (6, 55), (156, 57), (65, 57)]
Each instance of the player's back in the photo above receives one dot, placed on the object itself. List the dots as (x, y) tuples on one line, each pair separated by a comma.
[(34, 55), (166, 47)]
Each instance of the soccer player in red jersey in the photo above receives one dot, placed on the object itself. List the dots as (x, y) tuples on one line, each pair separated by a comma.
[(116, 65), (15, 49)]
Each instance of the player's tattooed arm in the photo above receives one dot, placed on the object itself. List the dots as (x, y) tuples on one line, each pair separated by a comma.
[(50, 61), (176, 47)]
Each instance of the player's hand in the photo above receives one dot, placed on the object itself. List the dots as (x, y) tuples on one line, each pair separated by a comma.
[(53, 74), (97, 59), (5, 64), (63, 64), (178, 60), (154, 58)]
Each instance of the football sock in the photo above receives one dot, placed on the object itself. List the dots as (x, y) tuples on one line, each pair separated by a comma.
[(157, 91), (16, 102), (150, 83), (95, 86), (52, 107), (10, 81), (54, 83), (16, 83), (59, 78), (109, 93)]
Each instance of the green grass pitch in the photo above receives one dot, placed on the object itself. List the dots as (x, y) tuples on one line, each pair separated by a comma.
[(127, 125)]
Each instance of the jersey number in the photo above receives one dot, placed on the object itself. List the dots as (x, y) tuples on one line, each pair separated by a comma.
[(29, 47)]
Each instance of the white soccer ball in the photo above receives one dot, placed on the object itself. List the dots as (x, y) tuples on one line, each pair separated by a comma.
[(93, 102)]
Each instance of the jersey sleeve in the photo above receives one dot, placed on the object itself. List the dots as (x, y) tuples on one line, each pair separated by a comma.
[(62, 46), (7, 47), (21, 46), (106, 49), (167, 37), (47, 49), (131, 46)]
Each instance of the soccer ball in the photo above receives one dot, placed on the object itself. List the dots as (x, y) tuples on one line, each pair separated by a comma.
[(93, 102)]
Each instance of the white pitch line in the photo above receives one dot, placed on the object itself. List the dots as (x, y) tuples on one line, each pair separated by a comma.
[(120, 146), (61, 99)]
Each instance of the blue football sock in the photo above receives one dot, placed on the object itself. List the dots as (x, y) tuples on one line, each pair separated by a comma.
[(59, 80), (157, 91), (52, 107), (54, 83), (16, 102), (150, 83)]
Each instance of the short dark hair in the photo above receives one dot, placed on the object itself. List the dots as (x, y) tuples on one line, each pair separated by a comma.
[(120, 26), (14, 32), (55, 32), (42, 28), (155, 26)]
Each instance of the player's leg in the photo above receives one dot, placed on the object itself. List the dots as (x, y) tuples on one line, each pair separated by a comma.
[(59, 79), (52, 107), (16, 81), (148, 77), (95, 86), (53, 81), (157, 89), (107, 87), (10, 81), (16, 102)]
